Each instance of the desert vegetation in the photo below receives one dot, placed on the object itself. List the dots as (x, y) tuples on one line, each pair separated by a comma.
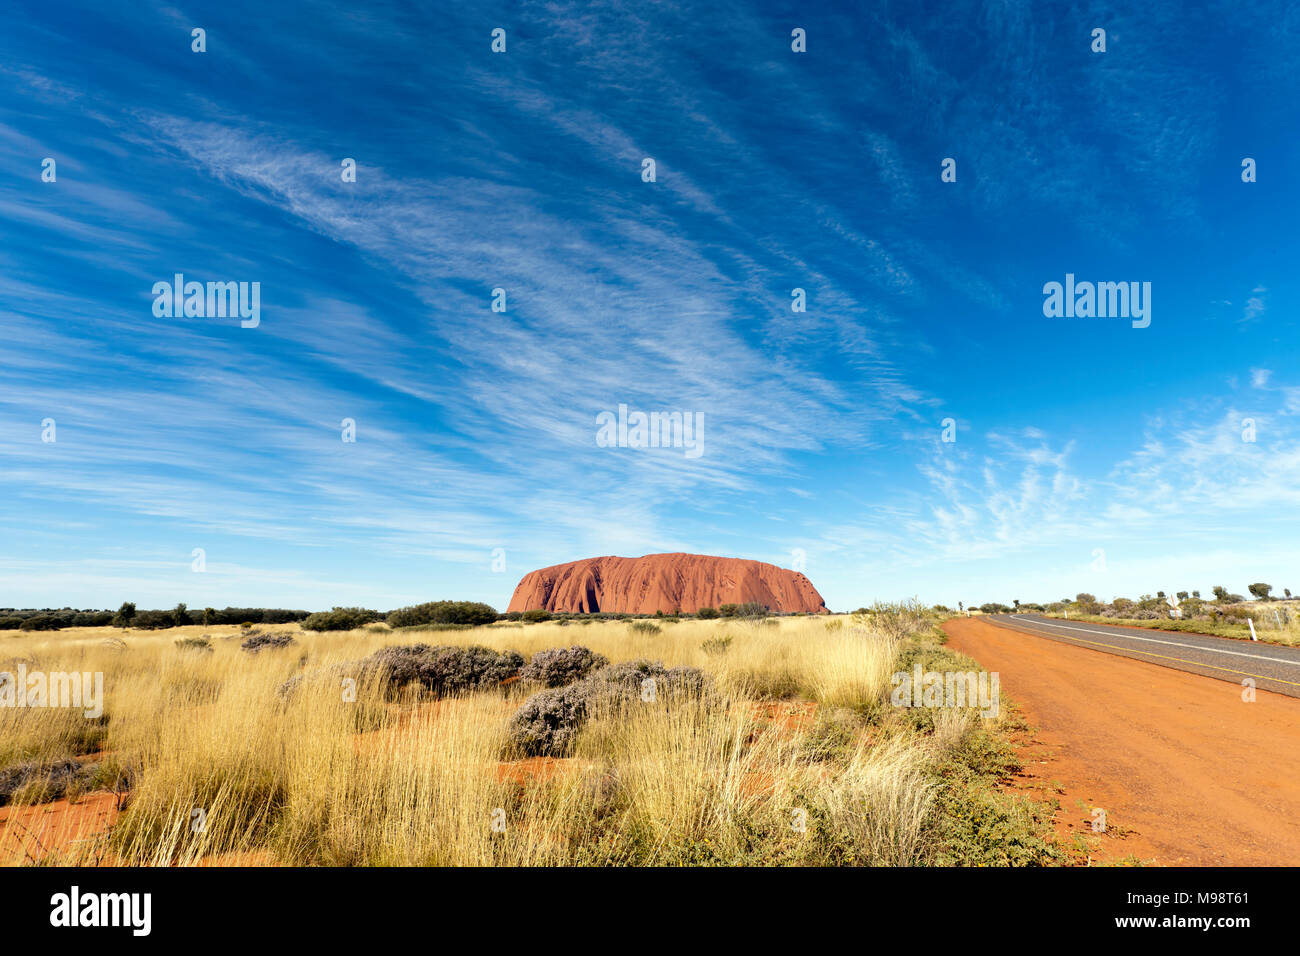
[(1276, 619), (727, 740)]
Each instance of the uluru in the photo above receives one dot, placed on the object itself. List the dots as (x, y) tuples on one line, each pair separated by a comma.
[(664, 582)]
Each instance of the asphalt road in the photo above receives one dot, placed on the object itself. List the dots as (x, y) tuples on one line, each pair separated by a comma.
[(1273, 667)]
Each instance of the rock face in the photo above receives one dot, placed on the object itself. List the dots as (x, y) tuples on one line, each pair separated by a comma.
[(663, 582)]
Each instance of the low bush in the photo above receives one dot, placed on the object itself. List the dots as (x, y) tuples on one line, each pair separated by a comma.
[(549, 721), (715, 646), (41, 783), (153, 620), (644, 627), (340, 619), (255, 643), (42, 622), (194, 644), (562, 665), (443, 670), (443, 612)]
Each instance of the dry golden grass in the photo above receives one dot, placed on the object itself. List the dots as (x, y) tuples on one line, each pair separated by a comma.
[(219, 764)]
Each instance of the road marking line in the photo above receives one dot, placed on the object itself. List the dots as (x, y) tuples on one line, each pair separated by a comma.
[(1194, 647)]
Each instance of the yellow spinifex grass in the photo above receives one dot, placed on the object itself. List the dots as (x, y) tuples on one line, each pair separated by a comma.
[(222, 766)]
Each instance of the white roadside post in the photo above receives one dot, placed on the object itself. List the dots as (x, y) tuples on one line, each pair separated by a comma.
[(1251, 622)]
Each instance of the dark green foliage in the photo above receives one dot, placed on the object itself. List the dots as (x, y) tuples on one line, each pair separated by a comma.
[(443, 612), (536, 615), (125, 614), (340, 619), (748, 609), (153, 620), (706, 613), (42, 622)]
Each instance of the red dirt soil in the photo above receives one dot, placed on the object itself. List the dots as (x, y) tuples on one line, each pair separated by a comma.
[(71, 833), (1187, 773), (663, 582)]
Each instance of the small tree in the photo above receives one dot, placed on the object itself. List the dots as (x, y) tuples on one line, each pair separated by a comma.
[(1287, 592), (209, 615), (181, 615), (1220, 593), (125, 614), (1197, 595), (1261, 591), (1182, 595)]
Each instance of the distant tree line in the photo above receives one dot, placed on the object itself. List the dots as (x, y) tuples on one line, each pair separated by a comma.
[(432, 613), (1145, 606), (53, 619)]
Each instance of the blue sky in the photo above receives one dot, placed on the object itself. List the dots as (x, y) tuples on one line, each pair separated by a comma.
[(522, 170)]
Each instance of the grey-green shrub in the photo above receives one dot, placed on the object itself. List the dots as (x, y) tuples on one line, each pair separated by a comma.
[(255, 643), (444, 670), (549, 721), (559, 666)]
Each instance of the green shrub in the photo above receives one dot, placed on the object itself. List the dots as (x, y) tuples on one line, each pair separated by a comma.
[(535, 615), (153, 620), (340, 619), (644, 627), (706, 613), (41, 622), (443, 612), (715, 646)]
